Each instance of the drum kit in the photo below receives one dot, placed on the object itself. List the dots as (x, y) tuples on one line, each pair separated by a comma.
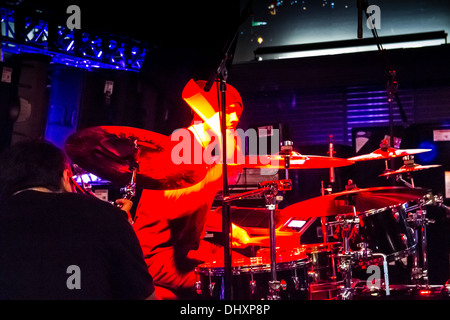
[(373, 227)]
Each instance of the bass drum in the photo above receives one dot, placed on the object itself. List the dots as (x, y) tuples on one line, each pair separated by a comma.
[(251, 277)]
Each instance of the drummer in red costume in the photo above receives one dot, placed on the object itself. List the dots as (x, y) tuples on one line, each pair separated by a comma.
[(170, 224)]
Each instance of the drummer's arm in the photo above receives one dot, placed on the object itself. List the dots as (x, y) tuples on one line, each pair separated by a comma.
[(183, 202), (240, 237)]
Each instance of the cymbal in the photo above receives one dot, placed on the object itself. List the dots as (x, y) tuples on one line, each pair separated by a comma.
[(387, 154), (363, 200), (282, 239), (109, 151), (406, 169), (296, 161)]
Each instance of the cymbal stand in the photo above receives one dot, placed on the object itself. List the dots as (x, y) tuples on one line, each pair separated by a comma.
[(286, 148), (346, 223), (270, 190), (271, 205), (418, 221), (324, 220), (129, 191), (408, 162)]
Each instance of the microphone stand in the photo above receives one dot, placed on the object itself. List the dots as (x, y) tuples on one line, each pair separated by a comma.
[(226, 216), (221, 75), (392, 84)]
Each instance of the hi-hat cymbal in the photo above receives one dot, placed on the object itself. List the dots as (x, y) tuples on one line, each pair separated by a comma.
[(407, 169), (387, 154), (296, 161), (362, 200), (110, 151)]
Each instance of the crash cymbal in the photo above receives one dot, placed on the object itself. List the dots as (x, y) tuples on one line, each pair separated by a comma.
[(110, 152), (296, 161), (362, 199), (387, 153), (407, 169)]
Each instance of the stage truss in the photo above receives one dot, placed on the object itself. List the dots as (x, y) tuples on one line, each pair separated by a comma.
[(35, 32)]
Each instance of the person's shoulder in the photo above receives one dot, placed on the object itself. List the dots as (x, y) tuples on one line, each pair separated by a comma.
[(92, 204)]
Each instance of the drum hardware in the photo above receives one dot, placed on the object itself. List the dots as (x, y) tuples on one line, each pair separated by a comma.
[(252, 275), (270, 198), (128, 192), (366, 253), (418, 221), (409, 167), (271, 205), (329, 190), (347, 257), (270, 191), (110, 152), (286, 149), (252, 285)]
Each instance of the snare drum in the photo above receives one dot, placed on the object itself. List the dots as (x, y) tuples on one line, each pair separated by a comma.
[(251, 276), (386, 231)]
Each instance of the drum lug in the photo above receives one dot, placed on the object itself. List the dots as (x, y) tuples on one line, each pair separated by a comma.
[(396, 215), (312, 276), (283, 285), (296, 282), (252, 286), (198, 288), (274, 290), (404, 239), (211, 288)]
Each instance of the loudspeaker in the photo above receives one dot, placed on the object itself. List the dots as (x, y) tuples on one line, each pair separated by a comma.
[(110, 98), (32, 94), (9, 103), (81, 98)]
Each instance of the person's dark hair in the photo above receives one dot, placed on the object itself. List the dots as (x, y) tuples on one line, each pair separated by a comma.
[(30, 164)]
